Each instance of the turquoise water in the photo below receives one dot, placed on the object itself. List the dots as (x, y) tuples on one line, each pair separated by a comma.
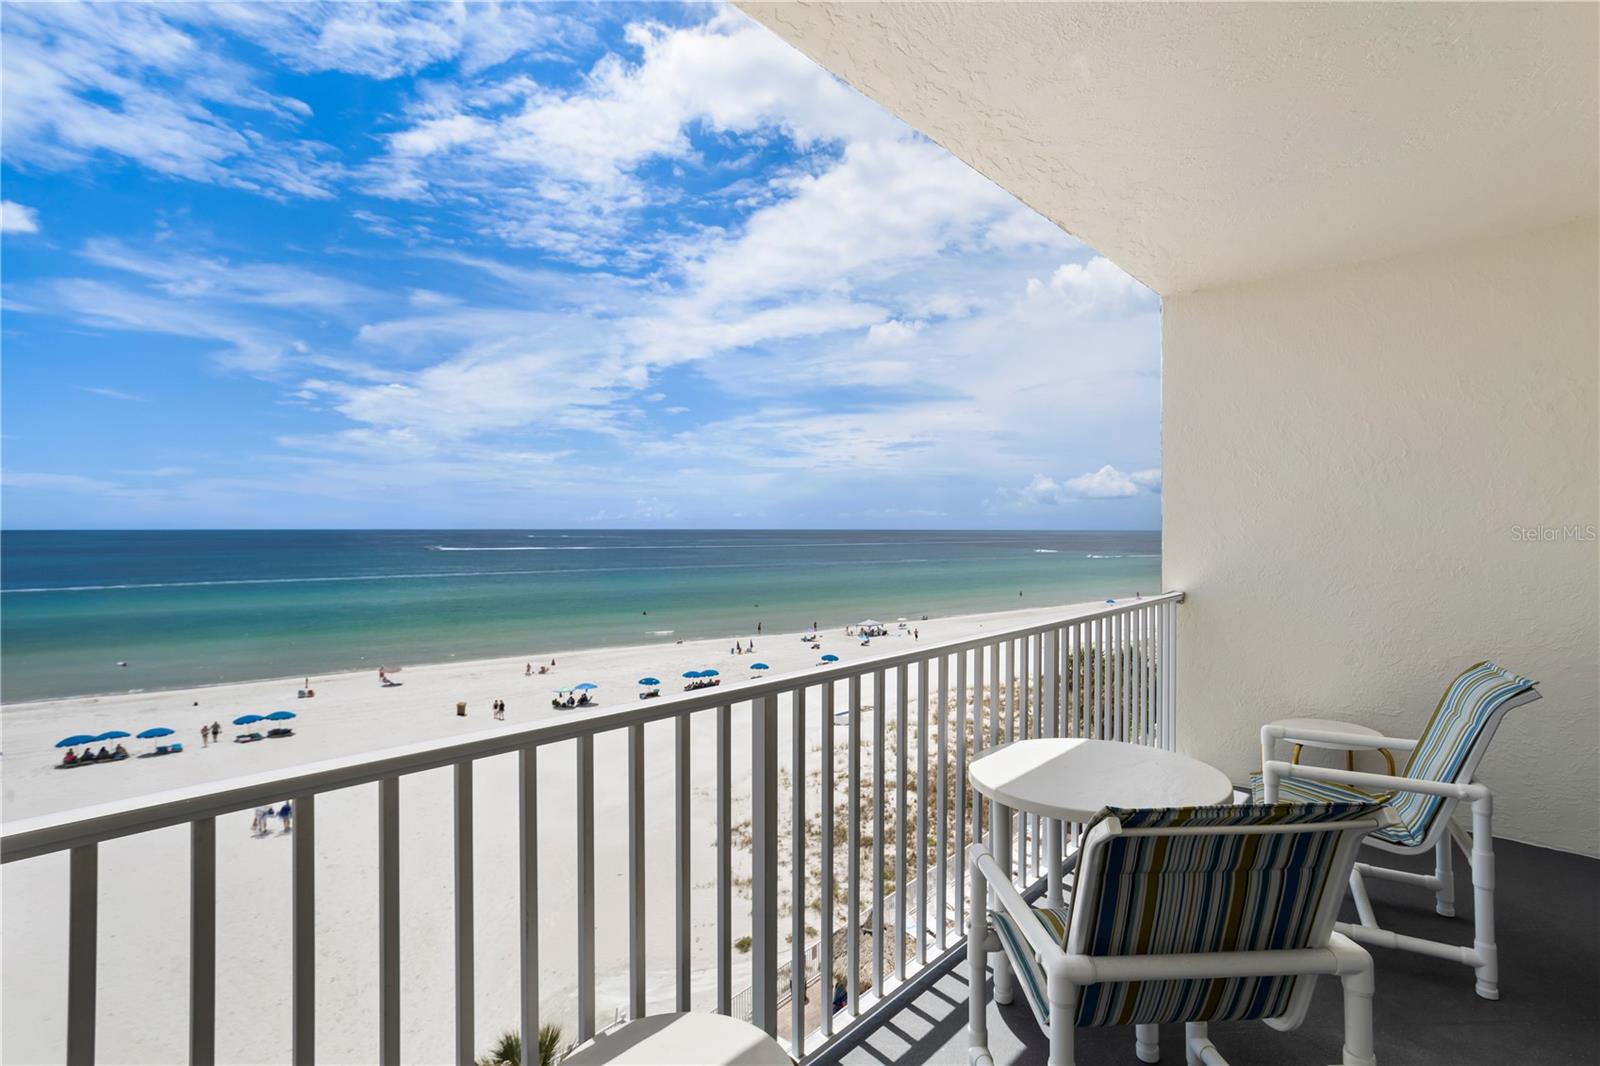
[(202, 607)]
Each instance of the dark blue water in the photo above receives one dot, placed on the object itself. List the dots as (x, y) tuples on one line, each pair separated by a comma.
[(188, 608)]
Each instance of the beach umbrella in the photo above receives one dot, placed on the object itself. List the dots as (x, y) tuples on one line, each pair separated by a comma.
[(280, 716), (114, 734), (759, 666), (708, 673), (649, 681), (691, 673), (586, 686), (74, 741), (158, 731), (830, 658), (247, 719)]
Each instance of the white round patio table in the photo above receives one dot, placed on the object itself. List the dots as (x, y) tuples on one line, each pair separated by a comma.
[(1331, 725), (691, 1039)]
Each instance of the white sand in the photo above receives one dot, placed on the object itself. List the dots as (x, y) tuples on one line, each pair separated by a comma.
[(142, 1005)]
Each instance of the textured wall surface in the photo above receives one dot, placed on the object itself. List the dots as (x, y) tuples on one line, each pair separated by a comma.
[(1203, 144), (1347, 457)]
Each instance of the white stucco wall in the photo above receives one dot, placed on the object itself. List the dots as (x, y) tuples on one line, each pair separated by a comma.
[(1347, 454)]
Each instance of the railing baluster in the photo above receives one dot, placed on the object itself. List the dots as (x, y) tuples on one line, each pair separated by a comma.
[(1119, 711), (1172, 675), (825, 814), (878, 770), (921, 839), (724, 860), (528, 874), (853, 847), (389, 921), (683, 916), (1052, 835), (585, 871), (636, 871), (961, 716), (303, 950), (941, 834), (764, 863), (202, 941), (1103, 677), (901, 829), (797, 876), (466, 1040), (1015, 714), (83, 936)]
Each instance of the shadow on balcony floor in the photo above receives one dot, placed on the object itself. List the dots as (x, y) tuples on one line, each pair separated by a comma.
[(1426, 1011)]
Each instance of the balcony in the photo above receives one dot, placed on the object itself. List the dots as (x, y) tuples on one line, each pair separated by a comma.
[(527, 868)]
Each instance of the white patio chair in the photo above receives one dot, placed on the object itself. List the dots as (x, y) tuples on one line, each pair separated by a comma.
[(1424, 796), (1185, 914)]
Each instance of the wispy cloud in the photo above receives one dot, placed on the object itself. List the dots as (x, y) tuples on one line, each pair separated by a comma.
[(110, 394), (18, 218)]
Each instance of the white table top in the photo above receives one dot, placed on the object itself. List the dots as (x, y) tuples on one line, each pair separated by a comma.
[(1325, 725), (1072, 779), (693, 1039)]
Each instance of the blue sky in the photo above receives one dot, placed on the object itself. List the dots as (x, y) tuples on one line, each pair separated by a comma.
[(615, 265)]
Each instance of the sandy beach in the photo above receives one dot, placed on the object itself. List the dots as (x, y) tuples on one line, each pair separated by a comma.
[(143, 880)]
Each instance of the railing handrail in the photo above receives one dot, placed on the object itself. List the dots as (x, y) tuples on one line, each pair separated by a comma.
[(60, 831)]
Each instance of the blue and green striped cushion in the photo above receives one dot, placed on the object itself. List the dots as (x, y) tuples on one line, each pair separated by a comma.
[(1300, 790), (1166, 894), (1465, 710)]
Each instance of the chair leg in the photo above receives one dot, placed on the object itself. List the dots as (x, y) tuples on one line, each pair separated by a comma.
[(1063, 998), (1147, 1043), (1444, 899), (1195, 1041), (1483, 942), (977, 1002), (1358, 988)]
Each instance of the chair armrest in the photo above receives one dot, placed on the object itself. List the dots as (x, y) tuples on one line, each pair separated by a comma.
[(1271, 734), (1272, 771), (986, 871)]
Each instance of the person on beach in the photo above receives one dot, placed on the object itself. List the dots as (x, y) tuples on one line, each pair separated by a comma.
[(758, 627), (527, 670), (216, 731), (205, 736), (500, 709), (916, 634), (285, 815)]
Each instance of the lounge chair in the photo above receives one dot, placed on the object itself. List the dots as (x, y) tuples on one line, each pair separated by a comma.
[(1424, 796), (1247, 899), (281, 731), (246, 738)]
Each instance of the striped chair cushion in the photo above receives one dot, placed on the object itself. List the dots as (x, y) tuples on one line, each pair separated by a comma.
[(1297, 790), (1164, 894), (1465, 711)]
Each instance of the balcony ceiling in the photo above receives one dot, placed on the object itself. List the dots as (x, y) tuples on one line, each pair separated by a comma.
[(1201, 145)]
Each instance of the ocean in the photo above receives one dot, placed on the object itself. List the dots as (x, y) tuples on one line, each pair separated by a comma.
[(207, 607)]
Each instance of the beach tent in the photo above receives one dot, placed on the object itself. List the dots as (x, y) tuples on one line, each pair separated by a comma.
[(870, 623)]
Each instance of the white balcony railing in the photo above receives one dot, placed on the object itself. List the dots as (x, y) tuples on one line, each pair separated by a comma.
[(1106, 673)]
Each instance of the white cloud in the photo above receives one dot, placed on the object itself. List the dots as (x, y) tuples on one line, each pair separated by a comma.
[(893, 333), (111, 394), (1098, 285), (18, 218), (123, 79), (1106, 483)]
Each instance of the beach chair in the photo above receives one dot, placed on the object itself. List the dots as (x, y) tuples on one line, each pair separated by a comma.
[(1184, 914), (246, 738), (1424, 796)]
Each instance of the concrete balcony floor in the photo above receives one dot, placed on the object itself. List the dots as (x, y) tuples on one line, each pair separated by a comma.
[(1426, 1012)]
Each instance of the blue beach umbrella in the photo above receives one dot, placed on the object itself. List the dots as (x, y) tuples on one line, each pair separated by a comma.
[(280, 716), (157, 731), (692, 673), (759, 666), (649, 681), (586, 686), (74, 741), (247, 719), (708, 673), (830, 658), (113, 734)]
